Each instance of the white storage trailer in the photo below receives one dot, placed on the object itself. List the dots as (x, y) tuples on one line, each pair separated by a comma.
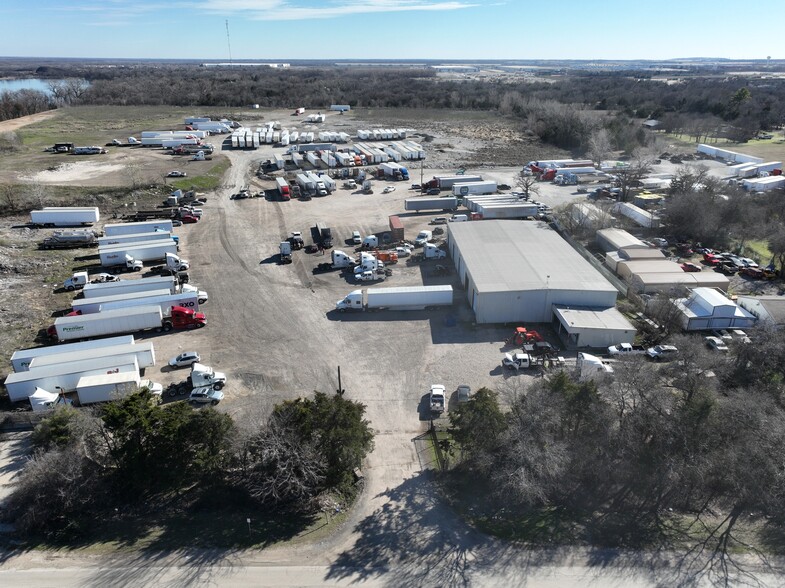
[(509, 211), (144, 352), (145, 251), (447, 182), (104, 242), (64, 216), (106, 387), (20, 360), (467, 188), (129, 286), (112, 230), (403, 298), (163, 298), (109, 322), (64, 377)]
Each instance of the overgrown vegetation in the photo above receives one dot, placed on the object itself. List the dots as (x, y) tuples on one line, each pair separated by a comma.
[(133, 454), (685, 455)]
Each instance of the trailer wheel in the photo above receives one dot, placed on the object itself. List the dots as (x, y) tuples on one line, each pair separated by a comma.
[(218, 386), (172, 391), (214, 402)]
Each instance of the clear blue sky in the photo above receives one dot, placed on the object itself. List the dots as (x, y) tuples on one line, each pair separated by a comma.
[(392, 29)]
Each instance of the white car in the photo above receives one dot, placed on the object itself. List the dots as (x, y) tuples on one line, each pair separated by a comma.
[(356, 238), (176, 174), (388, 189), (205, 394), (439, 220), (185, 359), (403, 251)]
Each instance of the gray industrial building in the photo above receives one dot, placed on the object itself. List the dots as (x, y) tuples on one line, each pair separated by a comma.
[(518, 271)]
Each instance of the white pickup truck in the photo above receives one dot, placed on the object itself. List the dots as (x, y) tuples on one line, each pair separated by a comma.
[(626, 349), (437, 399)]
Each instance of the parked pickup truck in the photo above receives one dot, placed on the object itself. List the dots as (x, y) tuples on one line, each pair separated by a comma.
[(436, 398), (626, 349)]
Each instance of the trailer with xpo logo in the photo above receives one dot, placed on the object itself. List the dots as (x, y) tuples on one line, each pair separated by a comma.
[(162, 298)]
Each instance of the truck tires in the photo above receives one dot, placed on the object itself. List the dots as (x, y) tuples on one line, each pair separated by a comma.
[(214, 402), (218, 386), (69, 288), (167, 326)]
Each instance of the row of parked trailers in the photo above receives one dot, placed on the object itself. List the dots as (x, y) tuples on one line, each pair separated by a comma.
[(380, 134)]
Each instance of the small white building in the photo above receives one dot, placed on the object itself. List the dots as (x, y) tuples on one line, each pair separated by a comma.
[(615, 239), (708, 308), (597, 328)]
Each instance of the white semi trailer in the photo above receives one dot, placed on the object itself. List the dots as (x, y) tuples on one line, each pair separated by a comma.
[(112, 230), (143, 351), (403, 298), (20, 360), (64, 216), (64, 377), (163, 298)]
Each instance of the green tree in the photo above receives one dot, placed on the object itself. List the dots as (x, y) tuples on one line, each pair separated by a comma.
[(59, 429), (335, 425), (478, 424)]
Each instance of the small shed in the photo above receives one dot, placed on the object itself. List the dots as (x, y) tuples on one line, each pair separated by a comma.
[(582, 327), (709, 308)]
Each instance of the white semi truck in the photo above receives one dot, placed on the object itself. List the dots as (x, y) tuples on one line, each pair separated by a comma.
[(404, 298)]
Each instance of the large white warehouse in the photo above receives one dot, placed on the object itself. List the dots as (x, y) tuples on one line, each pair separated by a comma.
[(517, 271)]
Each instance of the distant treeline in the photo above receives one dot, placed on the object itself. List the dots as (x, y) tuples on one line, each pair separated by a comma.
[(564, 111)]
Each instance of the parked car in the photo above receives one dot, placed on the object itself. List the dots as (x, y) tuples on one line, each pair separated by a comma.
[(691, 267), (716, 344), (205, 394), (416, 187), (722, 334), (463, 393), (439, 220), (185, 359), (177, 222), (356, 238), (433, 192), (660, 242), (176, 174), (662, 352), (748, 262), (739, 335), (188, 219), (388, 189), (403, 251)]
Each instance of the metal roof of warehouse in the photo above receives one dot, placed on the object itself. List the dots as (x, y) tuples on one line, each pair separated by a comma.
[(511, 255), (593, 318)]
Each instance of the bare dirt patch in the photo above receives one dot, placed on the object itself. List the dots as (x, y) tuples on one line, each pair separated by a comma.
[(65, 173)]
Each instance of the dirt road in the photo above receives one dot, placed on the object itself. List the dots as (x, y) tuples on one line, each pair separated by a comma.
[(13, 124)]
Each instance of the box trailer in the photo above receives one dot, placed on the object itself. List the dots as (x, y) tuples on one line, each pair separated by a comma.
[(105, 242), (508, 211), (113, 230), (396, 228), (106, 387), (144, 251), (143, 351), (20, 360), (129, 286), (64, 377), (447, 182), (445, 204), (163, 298), (64, 216), (405, 298), (110, 322), (467, 188)]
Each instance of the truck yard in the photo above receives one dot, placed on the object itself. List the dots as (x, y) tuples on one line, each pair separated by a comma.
[(273, 323)]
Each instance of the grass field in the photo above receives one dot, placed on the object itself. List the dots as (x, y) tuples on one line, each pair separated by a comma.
[(207, 181)]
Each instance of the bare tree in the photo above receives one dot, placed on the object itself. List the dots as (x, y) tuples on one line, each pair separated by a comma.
[(630, 176), (527, 184), (599, 146)]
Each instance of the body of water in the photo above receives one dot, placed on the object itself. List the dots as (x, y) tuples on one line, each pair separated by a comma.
[(26, 84)]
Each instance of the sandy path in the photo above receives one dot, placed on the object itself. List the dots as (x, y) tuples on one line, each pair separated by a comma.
[(14, 124)]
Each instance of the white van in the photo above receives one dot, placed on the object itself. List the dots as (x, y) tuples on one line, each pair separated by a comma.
[(459, 218)]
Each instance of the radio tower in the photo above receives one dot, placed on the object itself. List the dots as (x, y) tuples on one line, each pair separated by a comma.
[(228, 42)]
